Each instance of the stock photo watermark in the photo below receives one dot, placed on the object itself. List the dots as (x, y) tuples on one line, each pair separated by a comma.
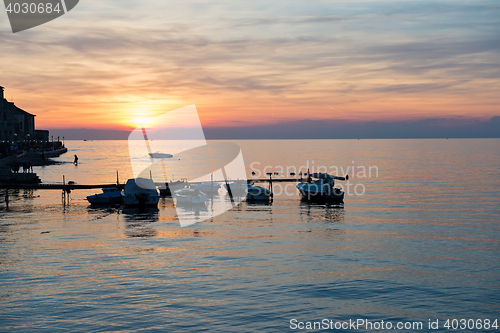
[(26, 14), (376, 325), (171, 150), (352, 175)]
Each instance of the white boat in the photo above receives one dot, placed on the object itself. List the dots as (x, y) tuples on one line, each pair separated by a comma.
[(110, 196), (207, 187), (321, 190), (160, 155), (258, 193), (140, 192), (189, 196)]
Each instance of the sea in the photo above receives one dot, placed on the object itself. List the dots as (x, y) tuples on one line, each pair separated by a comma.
[(417, 240)]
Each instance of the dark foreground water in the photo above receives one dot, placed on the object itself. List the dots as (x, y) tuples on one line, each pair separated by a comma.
[(422, 242)]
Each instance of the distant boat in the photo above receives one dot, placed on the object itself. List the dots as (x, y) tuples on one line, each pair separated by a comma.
[(322, 189), (140, 192), (258, 193), (190, 196), (110, 196), (160, 155)]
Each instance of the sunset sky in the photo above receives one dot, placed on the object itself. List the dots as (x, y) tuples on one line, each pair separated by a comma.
[(108, 64)]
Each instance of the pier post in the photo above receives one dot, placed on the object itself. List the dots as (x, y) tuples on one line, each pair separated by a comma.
[(7, 198), (227, 186), (271, 186)]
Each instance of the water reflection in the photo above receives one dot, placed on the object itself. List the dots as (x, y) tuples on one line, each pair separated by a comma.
[(259, 203), (194, 213), (139, 221), (322, 212), (100, 212), (10, 200)]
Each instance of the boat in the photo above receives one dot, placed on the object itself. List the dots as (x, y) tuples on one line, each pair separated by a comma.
[(258, 193), (207, 187), (160, 155), (109, 196), (165, 188), (322, 189), (53, 153), (140, 192), (238, 186), (189, 196)]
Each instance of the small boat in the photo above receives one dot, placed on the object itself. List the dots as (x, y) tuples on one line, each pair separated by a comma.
[(258, 193), (165, 189), (140, 192), (207, 187), (190, 196), (160, 155), (321, 190), (110, 196), (238, 186)]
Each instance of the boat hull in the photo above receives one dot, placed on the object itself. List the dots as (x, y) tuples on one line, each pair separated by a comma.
[(140, 192), (262, 197), (141, 199), (110, 198), (53, 153), (320, 194), (321, 198), (258, 193)]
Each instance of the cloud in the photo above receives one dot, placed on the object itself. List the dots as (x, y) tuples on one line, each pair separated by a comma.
[(394, 59)]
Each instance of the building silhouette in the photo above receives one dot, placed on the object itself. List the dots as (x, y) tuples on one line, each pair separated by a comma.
[(17, 124)]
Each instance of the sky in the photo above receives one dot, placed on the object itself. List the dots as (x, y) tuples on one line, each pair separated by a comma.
[(109, 64)]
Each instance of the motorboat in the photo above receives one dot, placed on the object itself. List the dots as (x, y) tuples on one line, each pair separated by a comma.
[(140, 192), (258, 193), (109, 196), (189, 196), (322, 189), (160, 155), (207, 187)]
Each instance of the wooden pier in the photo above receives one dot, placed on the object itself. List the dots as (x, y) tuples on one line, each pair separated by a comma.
[(64, 187), (71, 187)]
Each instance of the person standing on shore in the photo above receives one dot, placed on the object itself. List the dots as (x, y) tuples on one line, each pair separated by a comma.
[(75, 162)]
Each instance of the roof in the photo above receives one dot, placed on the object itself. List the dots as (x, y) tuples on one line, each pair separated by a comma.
[(19, 110)]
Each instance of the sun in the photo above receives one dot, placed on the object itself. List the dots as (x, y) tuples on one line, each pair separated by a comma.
[(141, 121), (137, 118)]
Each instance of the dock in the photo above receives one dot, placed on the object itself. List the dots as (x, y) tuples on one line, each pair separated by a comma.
[(64, 187), (71, 187)]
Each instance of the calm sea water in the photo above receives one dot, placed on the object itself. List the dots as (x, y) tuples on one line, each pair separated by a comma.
[(422, 242)]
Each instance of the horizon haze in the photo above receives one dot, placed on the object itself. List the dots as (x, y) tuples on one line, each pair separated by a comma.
[(314, 129)]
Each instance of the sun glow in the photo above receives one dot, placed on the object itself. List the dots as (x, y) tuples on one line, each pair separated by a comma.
[(141, 122), (138, 117)]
